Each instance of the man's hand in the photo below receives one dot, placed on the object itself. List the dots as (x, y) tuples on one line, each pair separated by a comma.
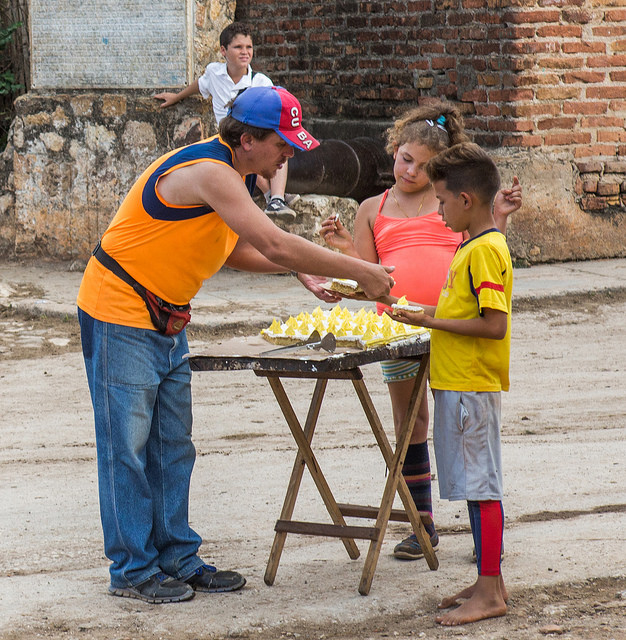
[(378, 282), (315, 285), (388, 300)]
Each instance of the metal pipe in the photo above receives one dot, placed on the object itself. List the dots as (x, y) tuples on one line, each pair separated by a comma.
[(357, 168)]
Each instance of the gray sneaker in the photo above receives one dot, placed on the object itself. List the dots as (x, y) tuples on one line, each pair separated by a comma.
[(278, 207), (207, 578), (290, 198), (157, 589), (410, 548)]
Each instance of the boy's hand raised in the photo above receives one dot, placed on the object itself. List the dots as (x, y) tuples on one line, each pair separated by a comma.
[(508, 200)]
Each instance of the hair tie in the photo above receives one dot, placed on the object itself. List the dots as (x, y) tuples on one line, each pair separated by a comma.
[(438, 123)]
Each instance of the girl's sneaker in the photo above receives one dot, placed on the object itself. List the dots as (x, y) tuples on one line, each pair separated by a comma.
[(410, 549)]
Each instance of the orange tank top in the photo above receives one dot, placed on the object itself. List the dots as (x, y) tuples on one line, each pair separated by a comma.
[(421, 249), (169, 249)]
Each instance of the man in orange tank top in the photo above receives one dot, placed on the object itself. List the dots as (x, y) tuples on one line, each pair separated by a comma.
[(189, 213)]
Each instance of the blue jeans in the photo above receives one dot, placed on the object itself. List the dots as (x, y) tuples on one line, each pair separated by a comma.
[(141, 394)]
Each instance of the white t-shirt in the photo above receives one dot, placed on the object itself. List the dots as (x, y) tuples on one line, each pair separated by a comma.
[(216, 82)]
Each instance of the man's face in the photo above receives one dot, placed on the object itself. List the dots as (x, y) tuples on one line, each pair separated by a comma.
[(271, 154), (238, 53)]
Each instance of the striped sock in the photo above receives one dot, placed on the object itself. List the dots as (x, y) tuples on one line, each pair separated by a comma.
[(416, 472)]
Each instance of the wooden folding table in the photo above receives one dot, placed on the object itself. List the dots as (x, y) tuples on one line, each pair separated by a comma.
[(243, 353)]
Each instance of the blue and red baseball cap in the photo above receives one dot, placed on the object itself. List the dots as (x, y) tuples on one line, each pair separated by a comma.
[(273, 108)]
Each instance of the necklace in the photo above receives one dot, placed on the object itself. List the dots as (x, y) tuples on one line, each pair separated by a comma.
[(406, 215)]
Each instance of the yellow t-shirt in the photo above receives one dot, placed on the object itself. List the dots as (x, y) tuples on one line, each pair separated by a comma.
[(168, 249), (480, 276)]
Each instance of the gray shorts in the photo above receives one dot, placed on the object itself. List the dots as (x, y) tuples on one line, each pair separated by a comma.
[(466, 436)]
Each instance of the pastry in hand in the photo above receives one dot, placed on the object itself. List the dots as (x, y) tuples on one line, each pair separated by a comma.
[(345, 286), (403, 305)]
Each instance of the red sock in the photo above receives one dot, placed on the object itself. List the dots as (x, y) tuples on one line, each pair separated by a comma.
[(487, 522)]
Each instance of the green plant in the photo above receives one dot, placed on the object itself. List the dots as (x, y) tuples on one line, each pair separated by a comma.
[(8, 83)]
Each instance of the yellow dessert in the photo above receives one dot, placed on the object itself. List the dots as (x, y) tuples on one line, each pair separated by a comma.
[(362, 330), (403, 305)]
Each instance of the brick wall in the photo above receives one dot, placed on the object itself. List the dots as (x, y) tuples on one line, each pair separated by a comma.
[(547, 75)]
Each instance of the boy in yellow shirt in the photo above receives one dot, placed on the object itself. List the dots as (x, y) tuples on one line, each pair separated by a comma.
[(470, 344)]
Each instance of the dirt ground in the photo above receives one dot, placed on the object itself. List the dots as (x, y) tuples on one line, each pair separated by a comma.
[(564, 447)]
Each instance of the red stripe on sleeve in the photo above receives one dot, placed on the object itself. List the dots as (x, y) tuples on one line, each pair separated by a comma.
[(489, 285)]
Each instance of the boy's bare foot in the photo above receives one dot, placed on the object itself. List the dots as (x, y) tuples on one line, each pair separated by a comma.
[(472, 610), (486, 598), (455, 600), (466, 594)]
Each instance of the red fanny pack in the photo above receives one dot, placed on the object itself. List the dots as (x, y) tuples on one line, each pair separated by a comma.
[(169, 319)]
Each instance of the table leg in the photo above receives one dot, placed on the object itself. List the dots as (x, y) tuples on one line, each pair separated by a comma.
[(306, 456), (404, 437), (294, 483), (395, 481)]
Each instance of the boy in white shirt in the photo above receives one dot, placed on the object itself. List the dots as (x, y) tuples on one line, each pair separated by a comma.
[(223, 81)]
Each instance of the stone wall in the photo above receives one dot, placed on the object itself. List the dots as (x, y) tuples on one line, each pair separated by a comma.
[(551, 226), (74, 156), (211, 17)]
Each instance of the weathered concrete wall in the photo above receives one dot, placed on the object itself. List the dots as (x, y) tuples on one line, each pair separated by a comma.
[(551, 226), (74, 156)]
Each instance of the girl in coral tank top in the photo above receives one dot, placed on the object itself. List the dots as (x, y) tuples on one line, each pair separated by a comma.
[(402, 227)]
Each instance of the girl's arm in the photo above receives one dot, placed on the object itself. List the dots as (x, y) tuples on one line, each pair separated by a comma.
[(364, 229), (362, 246)]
